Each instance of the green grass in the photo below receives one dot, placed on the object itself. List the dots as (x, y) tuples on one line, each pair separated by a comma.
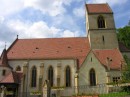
[(118, 94)]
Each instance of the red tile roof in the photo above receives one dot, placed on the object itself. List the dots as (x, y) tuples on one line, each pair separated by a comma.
[(12, 77), (98, 8), (61, 48), (50, 48), (113, 55), (4, 59)]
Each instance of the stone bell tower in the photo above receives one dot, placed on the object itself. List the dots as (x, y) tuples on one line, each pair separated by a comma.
[(101, 27)]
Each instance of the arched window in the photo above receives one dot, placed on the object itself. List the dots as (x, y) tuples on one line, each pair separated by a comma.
[(50, 75), (68, 77), (101, 22), (92, 77), (34, 77), (18, 68)]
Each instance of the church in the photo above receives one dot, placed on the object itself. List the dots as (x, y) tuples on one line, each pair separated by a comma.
[(71, 65)]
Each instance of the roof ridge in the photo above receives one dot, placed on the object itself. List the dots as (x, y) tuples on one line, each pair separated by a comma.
[(51, 38), (95, 3), (12, 44)]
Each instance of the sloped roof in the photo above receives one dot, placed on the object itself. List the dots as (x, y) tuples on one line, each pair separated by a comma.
[(114, 55), (123, 48), (4, 59), (61, 48), (50, 48), (98, 8), (12, 77)]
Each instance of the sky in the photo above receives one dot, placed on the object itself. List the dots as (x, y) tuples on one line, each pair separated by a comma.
[(51, 18)]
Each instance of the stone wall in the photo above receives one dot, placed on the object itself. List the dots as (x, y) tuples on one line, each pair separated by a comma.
[(109, 42), (92, 21), (103, 76), (87, 66), (42, 66)]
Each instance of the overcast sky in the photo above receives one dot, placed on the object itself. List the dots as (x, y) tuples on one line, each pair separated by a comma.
[(51, 18)]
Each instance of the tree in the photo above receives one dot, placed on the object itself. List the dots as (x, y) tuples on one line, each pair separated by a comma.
[(124, 35), (126, 74)]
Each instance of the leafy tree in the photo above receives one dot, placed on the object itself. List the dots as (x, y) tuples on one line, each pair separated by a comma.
[(124, 35), (126, 74)]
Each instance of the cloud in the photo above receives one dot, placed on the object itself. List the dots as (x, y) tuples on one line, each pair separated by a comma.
[(9, 7), (111, 2), (68, 33), (52, 7), (6, 35), (1, 19), (79, 12), (33, 30), (39, 29), (66, 22)]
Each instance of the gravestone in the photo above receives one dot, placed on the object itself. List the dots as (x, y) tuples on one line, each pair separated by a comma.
[(46, 89)]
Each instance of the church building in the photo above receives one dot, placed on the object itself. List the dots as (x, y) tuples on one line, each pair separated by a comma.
[(71, 65)]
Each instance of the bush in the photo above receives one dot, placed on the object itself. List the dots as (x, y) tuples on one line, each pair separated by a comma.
[(126, 89)]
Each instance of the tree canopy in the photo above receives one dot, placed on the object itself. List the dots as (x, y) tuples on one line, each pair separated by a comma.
[(124, 35), (126, 73)]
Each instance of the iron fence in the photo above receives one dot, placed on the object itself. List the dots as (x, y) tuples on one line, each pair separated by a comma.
[(101, 89)]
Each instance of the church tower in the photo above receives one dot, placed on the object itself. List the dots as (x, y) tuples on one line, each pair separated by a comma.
[(101, 27)]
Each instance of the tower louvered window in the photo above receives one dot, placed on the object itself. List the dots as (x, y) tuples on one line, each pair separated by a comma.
[(101, 22)]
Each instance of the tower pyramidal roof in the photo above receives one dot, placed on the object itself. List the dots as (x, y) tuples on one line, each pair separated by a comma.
[(4, 59), (98, 8)]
